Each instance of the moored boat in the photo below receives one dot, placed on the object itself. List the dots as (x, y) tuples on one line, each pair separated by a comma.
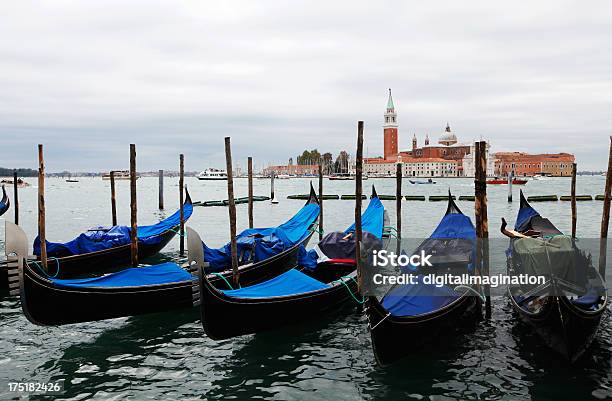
[(410, 315), (323, 280), (104, 249), (566, 310)]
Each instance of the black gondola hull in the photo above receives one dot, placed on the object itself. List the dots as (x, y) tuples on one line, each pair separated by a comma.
[(226, 317), (562, 326), (394, 338), (45, 303)]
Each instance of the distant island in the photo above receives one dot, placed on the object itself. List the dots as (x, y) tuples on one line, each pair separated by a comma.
[(21, 172)]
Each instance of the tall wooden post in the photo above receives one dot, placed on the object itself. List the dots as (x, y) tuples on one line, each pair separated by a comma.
[(272, 185), (398, 200), (16, 197), (605, 217), (232, 209), (510, 179), (181, 202), (113, 198), (133, 208), (320, 201), (482, 221), (41, 208), (358, 192), (250, 177), (161, 189), (574, 211)]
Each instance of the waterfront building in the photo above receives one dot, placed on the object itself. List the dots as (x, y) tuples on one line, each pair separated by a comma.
[(525, 164), (447, 157), (293, 169)]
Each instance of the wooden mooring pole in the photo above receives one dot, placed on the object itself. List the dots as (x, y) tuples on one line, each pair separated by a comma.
[(510, 179), (16, 197), (41, 208), (113, 198), (232, 210), (133, 208), (398, 200), (358, 192), (161, 189), (181, 202), (574, 211), (320, 201), (605, 217), (482, 221), (250, 177)]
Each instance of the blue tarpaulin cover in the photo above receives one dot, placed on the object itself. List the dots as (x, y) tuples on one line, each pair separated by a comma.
[(524, 215), (455, 225), (417, 299), (289, 283), (105, 238), (163, 273), (266, 242), (372, 219)]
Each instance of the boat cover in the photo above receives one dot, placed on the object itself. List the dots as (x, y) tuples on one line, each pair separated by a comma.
[(101, 238), (337, 245), (524, 216), (257, 244), (417, 299), (372, 219), (163, 273), (291, 282)]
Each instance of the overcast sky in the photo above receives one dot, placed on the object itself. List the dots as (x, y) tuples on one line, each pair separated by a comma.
[(86, 78)]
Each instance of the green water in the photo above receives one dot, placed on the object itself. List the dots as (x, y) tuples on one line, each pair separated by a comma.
[(167, 356)]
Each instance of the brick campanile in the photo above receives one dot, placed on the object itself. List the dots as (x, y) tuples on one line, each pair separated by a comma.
[(390, 130)]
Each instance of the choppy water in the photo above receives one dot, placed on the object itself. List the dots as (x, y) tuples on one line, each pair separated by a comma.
[(167, 356)]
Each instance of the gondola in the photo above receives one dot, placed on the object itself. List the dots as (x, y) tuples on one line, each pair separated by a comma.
[(4, 202), (298, 294), (566, 310), (410, 315), (47, 300), (50, 301), (104, 249)]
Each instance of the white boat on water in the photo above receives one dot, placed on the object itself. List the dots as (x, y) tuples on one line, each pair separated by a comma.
[(212, 174), (119, 175), (282, 176)]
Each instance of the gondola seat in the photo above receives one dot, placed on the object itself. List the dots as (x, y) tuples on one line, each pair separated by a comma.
[(164, 273), (289, 283)]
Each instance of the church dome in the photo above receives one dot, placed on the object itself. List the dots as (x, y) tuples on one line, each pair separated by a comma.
[(447, 138)]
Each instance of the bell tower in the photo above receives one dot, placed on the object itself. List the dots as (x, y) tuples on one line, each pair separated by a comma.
[(390, 130)]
